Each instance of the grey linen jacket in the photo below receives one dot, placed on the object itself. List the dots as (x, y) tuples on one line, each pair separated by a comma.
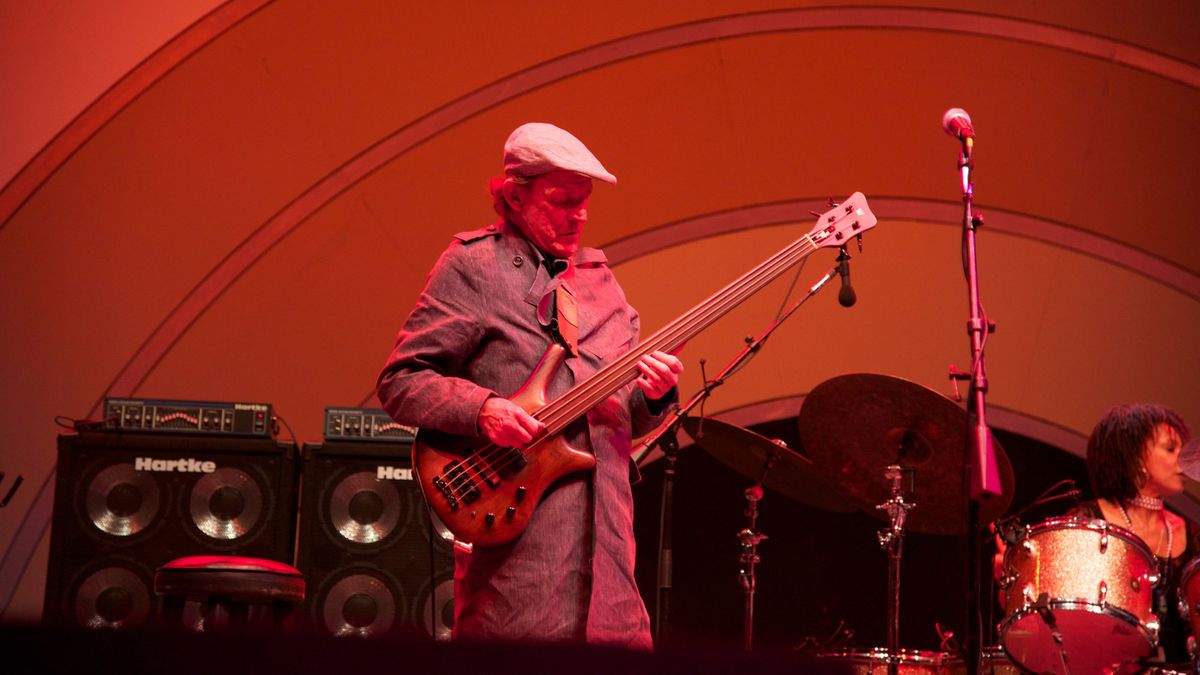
[(475, 332)]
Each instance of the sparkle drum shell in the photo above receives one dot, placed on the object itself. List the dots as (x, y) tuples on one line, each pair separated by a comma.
[(995, 662), (1091, 582), (1189, 600), (875, 662)]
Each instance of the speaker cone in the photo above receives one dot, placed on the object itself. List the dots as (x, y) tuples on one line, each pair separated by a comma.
[(113, 597), (360, 605), (438, 613), (226, 504), (122, 501), (364, 509)]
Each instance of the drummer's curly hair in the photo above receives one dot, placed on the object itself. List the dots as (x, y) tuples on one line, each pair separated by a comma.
[(1114, 450)]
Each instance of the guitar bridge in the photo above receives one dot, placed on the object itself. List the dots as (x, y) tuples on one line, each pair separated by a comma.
[(456, 485)]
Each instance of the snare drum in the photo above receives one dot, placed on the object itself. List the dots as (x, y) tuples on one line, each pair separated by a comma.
[(1085, 583), (875, 662)]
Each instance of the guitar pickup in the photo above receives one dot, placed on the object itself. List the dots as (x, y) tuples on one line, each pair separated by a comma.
[(518, 461), (484, 468), (510, 461)]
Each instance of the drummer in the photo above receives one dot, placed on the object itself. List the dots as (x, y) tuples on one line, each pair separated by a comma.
[(1133, 463)]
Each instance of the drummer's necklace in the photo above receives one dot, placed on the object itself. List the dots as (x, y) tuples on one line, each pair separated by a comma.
[(1154, 505)]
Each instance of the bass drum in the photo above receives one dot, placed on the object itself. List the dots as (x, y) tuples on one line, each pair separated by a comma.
[(1079, 593), (875, 662)]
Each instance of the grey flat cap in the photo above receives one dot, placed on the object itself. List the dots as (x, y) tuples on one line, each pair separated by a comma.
[(536, 148)]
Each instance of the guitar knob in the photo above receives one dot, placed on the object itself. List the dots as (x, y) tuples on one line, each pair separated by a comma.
[(509, 513), (521, 493), (489, 519)]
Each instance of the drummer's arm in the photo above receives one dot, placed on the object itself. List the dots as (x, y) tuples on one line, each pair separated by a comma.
[(998, 570)]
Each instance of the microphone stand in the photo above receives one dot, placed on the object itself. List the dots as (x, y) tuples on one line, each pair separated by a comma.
[(666, 438), (981, 476)]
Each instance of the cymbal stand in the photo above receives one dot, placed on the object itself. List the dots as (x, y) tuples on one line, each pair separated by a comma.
[(665, 437), (891, 539), (750, 539)]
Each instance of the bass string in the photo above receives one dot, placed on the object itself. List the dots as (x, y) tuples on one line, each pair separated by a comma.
[(577, 401)]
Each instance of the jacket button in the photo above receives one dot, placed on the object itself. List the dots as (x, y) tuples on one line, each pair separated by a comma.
[(518, 261)]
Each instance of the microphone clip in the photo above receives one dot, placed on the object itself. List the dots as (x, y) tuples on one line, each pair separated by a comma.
[(843, 256)]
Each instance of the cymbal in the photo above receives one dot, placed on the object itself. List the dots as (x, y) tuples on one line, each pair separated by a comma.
[(791, 474), (1189, 459), (854, 426)]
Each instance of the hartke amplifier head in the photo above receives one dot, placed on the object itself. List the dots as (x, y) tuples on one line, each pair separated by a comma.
[(126, 503), (365, 544)]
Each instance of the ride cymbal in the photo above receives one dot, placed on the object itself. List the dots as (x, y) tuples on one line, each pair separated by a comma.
[(854, 426)]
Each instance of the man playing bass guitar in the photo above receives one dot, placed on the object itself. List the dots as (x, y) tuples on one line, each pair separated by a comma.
[(494, 304)]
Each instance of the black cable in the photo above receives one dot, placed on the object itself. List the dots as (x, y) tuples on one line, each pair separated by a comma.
[(81, 425), (787, 296), (291, 433)]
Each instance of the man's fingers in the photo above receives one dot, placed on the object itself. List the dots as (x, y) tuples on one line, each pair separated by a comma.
[(530, 423)]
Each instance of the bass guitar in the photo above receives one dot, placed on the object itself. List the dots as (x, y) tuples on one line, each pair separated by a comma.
[(484, 494)]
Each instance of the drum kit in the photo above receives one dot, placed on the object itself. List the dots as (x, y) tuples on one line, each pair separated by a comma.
[(1078, 591)]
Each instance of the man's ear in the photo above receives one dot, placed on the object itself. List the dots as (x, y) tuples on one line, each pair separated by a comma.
[(513, 194)]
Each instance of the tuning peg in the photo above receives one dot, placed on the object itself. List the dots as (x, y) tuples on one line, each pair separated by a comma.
[(859, 243)]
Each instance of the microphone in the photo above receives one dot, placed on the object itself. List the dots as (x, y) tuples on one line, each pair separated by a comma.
[(957, 123), (846, 296)]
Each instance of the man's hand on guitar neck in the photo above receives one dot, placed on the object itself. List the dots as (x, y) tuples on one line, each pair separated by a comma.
[(660, 374), (506, 424)]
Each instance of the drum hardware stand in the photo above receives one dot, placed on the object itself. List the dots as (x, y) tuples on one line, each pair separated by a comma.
[(750, 539), (891, 539), (1042, 607), (666, 438)]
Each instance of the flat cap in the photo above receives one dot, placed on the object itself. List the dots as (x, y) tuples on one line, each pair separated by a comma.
[(536, 148)]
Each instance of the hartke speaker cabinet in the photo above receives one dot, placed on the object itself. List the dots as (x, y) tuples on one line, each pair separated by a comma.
[(366, 547), (126, 503)]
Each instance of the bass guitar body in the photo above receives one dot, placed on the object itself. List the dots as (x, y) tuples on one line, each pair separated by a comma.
[(485, 494)]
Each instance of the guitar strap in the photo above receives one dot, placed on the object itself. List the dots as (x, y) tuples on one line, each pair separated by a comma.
[(559, 310), (567, 315)]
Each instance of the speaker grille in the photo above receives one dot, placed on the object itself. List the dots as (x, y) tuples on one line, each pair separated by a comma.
[(121, 501), (364, 542), (227, 505), (112, 594), (366, 510), (125, 504)]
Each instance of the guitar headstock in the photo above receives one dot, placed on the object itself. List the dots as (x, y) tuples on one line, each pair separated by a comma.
[(840, 224)]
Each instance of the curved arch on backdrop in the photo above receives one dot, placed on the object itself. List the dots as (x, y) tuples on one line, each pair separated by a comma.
[(116, 98), (35, 173), (292, 215), (1026, 226), (226, 272), (749, 217)]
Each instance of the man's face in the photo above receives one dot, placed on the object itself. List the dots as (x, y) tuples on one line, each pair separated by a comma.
[(551, 210)]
